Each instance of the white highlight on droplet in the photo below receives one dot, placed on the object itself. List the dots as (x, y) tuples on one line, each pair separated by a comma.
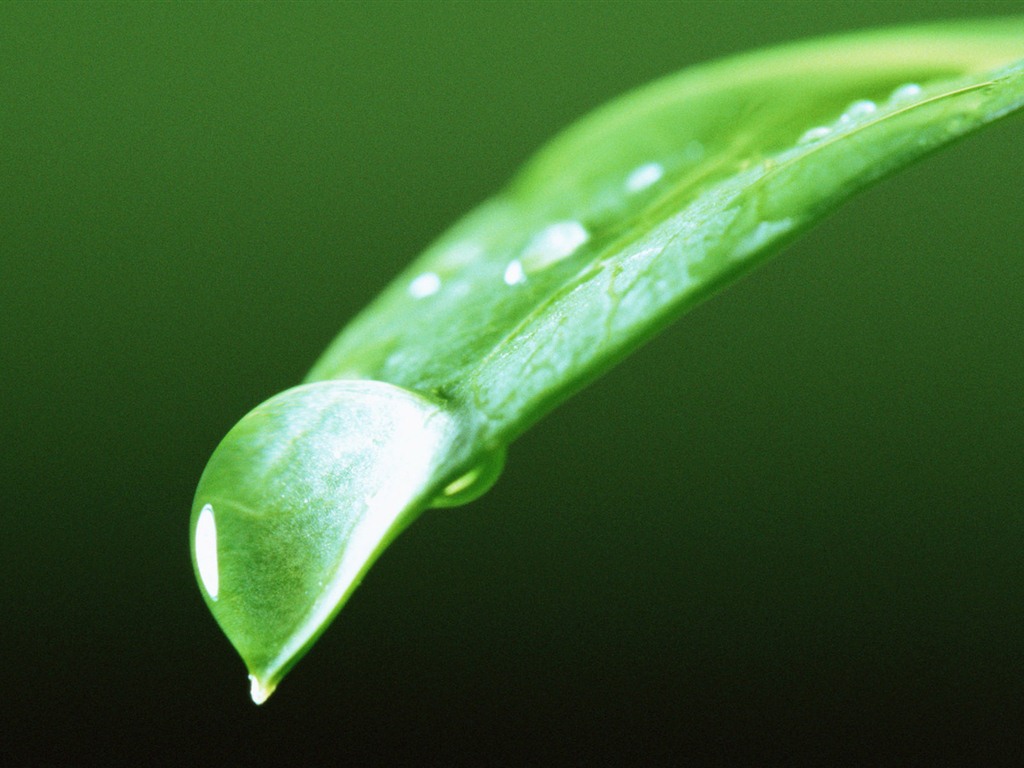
[(817, 133), (858, 110), (644, 176), (906, 92), (552, 244), (514, 273), (258, 691), (425, 285), (206, 551)]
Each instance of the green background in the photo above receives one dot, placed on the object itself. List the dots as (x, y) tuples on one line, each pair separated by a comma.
[(790, 527)]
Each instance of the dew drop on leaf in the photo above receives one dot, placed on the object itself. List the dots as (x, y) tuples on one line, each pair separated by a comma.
[(858, 111), (514, 273), (473, 484), (644, 176), (553, 244), (907, 92), (812, 135), (308, 489), (425, 285)]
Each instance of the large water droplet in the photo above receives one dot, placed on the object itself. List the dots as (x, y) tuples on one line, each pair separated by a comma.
[(308, 489), (644, 176)]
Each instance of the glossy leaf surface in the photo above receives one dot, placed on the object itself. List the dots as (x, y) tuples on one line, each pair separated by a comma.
[(621, 224)]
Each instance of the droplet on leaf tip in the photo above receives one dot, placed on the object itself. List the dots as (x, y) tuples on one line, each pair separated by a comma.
[(309, 487), (258, 691)]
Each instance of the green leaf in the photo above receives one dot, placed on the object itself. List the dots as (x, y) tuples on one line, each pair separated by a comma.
[(621, 224)]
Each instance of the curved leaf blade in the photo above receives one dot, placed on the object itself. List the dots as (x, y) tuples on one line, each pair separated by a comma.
[(622, 223), (668, 167)]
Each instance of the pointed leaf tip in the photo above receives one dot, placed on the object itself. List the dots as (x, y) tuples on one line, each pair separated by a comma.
[(630, 218), (296, 503), (258, 691)]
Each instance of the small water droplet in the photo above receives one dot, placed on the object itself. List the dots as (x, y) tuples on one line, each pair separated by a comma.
[(906, 92), (258, 691), (644, 176), (553, 243), (514, 273), (473, 484), (816, 133), (857, 111), (425, 285), (206, 552)]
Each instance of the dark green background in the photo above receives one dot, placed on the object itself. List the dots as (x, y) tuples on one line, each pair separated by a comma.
[(790, 527)]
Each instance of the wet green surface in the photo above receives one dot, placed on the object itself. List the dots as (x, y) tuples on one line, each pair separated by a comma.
[(792, 521)]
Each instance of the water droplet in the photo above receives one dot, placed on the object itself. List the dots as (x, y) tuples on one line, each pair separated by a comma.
[(464, 482), (644, 176), (514, 273), (553, 243), (425, 285), (309, 487), (857, 111), (474, 483), (258, 691), (206, 552), (907, 92), (817, 133)]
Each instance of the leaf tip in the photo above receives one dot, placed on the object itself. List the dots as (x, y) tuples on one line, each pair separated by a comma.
[(298, 501), (260, 691)]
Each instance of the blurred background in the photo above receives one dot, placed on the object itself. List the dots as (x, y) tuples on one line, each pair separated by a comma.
[(790, 527)]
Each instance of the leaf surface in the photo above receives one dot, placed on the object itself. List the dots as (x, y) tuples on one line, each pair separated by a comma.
[(657, 200), (624, 222)]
